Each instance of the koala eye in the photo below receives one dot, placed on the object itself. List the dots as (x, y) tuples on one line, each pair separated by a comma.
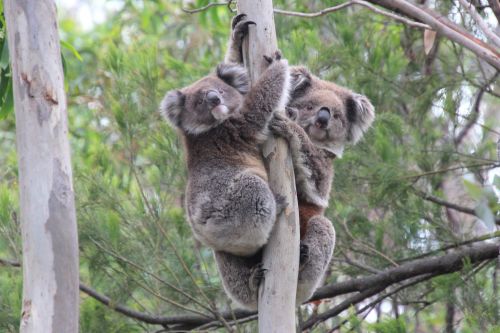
[(336, 116), (221, 91), (309, 107), (199, 101)]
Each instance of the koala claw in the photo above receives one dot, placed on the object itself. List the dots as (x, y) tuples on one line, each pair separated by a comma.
[(276, 56), (278, 125), (304, 253), (240, 26), (237, 19), (257, 276), (281, 203)]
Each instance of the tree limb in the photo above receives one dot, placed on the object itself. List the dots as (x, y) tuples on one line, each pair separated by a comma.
[(444, 27), (366, 286), (428, 20), (495, 7), (450, 205), (365, 4), (444, 264), (480, 22)]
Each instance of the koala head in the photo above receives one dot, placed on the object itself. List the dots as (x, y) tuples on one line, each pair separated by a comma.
[(331, 115), (208, 102)]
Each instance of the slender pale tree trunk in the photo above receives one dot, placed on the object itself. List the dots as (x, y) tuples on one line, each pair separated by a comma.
[(281, 255), (48, 221)]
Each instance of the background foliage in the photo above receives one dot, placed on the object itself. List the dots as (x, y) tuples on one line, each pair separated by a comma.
[(129, 173)]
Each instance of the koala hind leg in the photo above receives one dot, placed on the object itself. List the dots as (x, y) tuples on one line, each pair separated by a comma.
[(244, 218), (241, 277), (316, 251)]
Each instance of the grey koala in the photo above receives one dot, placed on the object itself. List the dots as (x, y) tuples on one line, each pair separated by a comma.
[(222, 120), (327, 117)]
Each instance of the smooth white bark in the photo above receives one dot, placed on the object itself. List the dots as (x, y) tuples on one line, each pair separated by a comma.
[(281, 255), (48, 221)]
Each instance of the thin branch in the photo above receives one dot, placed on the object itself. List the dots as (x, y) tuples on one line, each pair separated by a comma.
[(212, 4), (455, 245), (434, 172), (480, 22), (384, 296), (495, 7), (153, 275), (8, 262), (475, 115), (366, 285), (444, 27), (450, 262), (404, 20), (450, 205)]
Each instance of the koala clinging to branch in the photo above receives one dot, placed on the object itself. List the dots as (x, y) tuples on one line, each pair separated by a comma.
[(229, 204), (327, 117)]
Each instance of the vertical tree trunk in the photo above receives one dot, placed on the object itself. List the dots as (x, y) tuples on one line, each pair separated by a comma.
[(48, 221), (281, 255)]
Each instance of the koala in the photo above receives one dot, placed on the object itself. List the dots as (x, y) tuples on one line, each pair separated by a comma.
[(322, 119), (229, 204)]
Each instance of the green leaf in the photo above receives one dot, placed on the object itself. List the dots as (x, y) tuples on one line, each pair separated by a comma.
[(72, 49), (4, 58)]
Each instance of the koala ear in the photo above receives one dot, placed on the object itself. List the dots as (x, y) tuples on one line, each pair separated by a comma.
[(235, 75), (171, 106), (360, 114), (300, 81)]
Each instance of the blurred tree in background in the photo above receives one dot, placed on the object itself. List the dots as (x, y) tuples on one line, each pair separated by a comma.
[(424, 180)]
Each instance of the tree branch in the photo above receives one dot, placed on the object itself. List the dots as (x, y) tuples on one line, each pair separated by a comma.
[(450, 205), (365, 4), (427, 18), (366, 286), (475, 109), (444, 264), (211, 4), (444, 27), (336, 310), (8, 262), (495, 7), (480, 22)]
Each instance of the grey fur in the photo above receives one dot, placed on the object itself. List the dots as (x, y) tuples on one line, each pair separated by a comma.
[(312, 153), (230, 206)]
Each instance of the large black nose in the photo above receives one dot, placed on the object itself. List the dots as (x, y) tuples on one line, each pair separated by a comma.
[(213, 97), (323, 117)]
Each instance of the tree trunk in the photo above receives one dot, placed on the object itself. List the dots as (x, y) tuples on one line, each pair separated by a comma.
[(48, 221), (281, 255)]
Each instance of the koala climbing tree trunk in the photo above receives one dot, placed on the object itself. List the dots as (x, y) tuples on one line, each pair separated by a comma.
[(48, 219), (281, 254)]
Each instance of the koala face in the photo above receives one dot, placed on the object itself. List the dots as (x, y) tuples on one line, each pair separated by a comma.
[(331, 115), (208, 102)]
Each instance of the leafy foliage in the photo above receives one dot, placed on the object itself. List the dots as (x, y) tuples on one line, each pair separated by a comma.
[(129, 170)]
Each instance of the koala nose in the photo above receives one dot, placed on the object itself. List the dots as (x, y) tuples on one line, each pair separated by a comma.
[(323, 117), (213, 97)]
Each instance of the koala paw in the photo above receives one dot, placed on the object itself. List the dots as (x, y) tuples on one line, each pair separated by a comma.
[(240, 26), (257, 276), (275, 57), (291, 113), (279, 126), (281, 203), (304, 253)]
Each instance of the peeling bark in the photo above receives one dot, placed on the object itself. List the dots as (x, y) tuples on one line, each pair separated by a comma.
[(48, 220)]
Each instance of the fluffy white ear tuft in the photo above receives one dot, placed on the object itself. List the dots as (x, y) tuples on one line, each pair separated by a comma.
[(235, 75), (171, 106), (300, 80), (360, 113)]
